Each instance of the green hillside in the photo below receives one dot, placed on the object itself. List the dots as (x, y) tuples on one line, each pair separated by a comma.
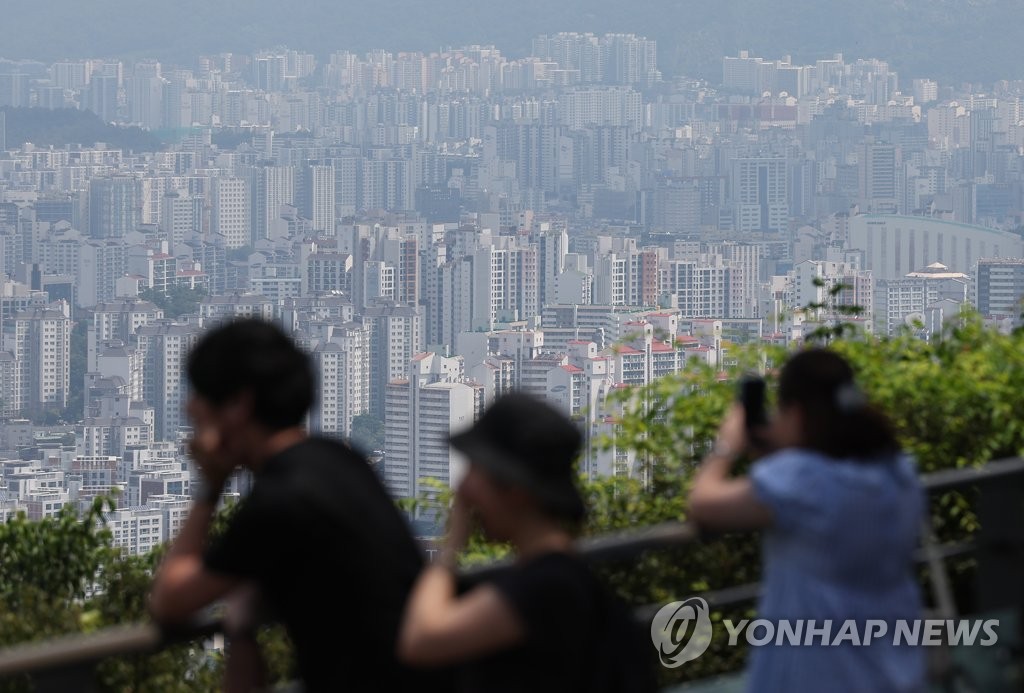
[(43, 127)]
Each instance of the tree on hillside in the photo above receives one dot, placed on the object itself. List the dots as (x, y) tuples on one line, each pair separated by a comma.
[(62, 126), (368, 432), (176, 301)]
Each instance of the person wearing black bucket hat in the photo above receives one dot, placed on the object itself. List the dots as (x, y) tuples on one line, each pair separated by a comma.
[(538, 624), (523, 442)]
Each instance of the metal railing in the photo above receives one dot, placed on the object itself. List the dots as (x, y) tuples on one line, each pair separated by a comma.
[(66, 663)]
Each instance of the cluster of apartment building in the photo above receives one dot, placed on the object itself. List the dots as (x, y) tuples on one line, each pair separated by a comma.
[(439, 229), (45, 470)]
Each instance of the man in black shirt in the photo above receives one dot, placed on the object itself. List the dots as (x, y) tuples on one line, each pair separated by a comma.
[(318, 535)]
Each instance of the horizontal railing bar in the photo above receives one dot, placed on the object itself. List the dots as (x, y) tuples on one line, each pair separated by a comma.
[(732, 595), (750, 591), (947, 478), (628, 543), (115, 641), (715, 598), (945, 551), (73, 650)]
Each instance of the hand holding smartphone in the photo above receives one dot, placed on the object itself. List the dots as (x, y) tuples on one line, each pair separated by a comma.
[(752, 398)]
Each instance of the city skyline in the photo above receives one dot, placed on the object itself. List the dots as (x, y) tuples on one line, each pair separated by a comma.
[(922, 38), (437, 229), (300, 300)]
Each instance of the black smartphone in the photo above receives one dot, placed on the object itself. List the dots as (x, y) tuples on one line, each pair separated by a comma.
[(752, 397)]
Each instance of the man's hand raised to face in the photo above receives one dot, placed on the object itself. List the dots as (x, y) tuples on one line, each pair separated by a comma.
[(207, 450)]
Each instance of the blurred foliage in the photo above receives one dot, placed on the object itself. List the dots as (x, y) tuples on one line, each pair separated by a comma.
[(62, 575), (47, 570), (25, 546), (434, 498)]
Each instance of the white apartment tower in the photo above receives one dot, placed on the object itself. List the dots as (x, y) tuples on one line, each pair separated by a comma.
[(706, 287), (397, 333), (180, 215), (270, 187), (165, 385), (40, 341), (420, 412), (319, 197), (230, 211), (552, 246), (760, 194), (343, 369), (146, 91)]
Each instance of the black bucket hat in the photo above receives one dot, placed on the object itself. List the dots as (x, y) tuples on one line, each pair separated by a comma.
[(523, 441)]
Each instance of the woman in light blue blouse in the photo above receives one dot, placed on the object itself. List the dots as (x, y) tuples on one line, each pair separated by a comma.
[(841, 509)]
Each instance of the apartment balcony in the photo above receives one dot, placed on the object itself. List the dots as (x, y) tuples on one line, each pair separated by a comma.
[(995, 590)]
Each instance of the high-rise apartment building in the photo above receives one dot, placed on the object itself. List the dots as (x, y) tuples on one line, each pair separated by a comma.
[(420, 412), (1000, 287), (552, 244), (704, 287), (270, 188), (115, 206), (40, 341), (147, 95), (230, 211), (343, 367), (880, 189), (165, 383), (397, 333), (760, 195), (180, 215), (121, 319), (100, 264), (316, 193), (101, 97)]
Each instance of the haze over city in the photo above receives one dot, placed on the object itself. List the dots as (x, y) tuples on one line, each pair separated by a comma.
[(949, 39), (445, 203)]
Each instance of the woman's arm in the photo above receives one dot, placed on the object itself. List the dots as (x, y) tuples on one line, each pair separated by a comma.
[(441, 627), (718, 500)]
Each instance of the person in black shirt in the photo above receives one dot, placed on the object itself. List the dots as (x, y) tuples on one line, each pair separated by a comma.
[(539, 624), (330, 553)]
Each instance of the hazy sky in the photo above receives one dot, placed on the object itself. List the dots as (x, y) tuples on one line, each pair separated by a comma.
[(949, 39)]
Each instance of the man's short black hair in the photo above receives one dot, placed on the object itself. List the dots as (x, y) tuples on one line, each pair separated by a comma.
[(256, 357)]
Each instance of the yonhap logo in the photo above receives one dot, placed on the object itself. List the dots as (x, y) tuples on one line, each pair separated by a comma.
[(681, 631)]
